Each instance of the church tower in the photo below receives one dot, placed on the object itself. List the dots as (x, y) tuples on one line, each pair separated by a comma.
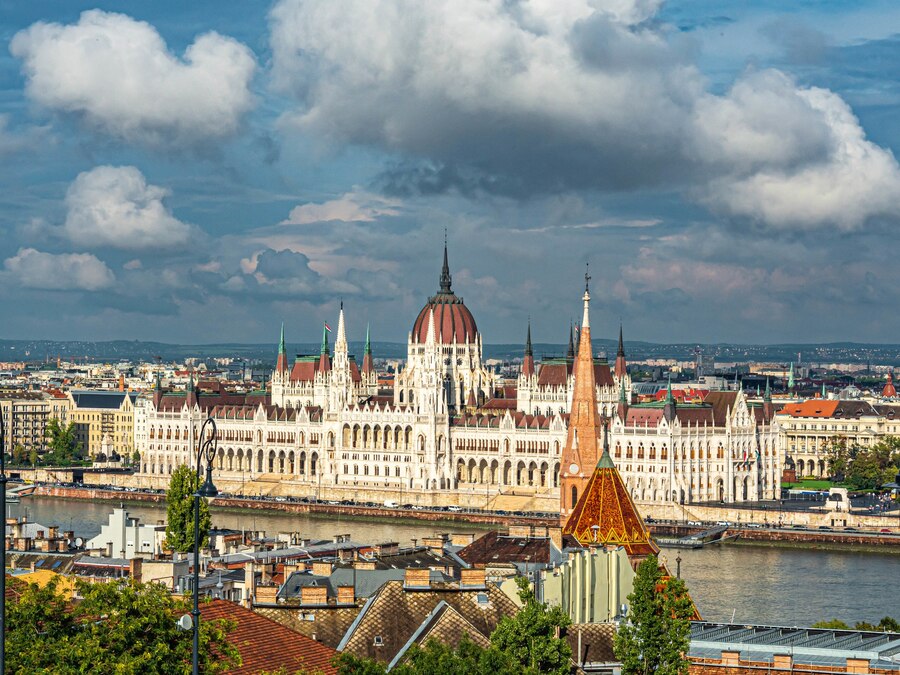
[(582, 451)]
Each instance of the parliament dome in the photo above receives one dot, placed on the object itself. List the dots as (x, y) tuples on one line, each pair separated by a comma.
[(453, 322)]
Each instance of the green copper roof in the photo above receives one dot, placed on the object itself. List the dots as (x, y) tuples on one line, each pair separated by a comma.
[(368, 351), (281, 349)]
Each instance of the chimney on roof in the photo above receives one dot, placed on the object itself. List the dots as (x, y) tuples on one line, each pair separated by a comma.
[(314, 595), (321, 569), (417, 578), (135, 569), (346, 595), (249, 584), (471, 578)]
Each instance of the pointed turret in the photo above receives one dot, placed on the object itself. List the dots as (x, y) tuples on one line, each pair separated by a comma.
[(528, 362), (605, 515), (824, 393), (190, 398), (429, 336), (620, 367), (368, 367), (622, 408), (570, 354), (340, 341), (281, 365), (790, 382), (582, 449), (324, 364), (157, 391), (669, 408), (767, 397)]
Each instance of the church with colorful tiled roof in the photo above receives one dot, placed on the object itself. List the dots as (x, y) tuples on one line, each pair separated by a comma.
[(447, 430)]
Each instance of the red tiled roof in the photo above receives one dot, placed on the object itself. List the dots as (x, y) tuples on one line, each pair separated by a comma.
[(453, 322), (557, 374), (266, 645), (813, 408)]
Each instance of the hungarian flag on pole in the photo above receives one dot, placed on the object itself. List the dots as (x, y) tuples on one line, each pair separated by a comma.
[(327, 327)]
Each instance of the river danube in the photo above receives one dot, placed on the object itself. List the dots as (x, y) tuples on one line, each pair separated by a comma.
[(754, 584)]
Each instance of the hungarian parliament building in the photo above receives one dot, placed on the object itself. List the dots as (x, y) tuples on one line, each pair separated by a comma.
[(449, 431)]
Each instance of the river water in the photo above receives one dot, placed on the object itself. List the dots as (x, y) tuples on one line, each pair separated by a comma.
[(754, 584)]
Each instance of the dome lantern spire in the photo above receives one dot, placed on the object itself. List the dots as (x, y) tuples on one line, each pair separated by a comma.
[(445, 270)]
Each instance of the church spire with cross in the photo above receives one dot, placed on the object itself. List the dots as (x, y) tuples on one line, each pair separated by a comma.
[(582, 449)]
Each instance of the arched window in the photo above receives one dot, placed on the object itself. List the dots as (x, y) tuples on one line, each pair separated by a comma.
[(574, 496)]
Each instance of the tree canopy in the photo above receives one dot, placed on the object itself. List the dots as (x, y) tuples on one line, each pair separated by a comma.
[(122, 627), (656, 637), (864, 468), (63, 447), (886, 625), (180, 511)]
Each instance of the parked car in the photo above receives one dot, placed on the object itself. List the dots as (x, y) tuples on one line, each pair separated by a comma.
[(454, 509), (695, 523)]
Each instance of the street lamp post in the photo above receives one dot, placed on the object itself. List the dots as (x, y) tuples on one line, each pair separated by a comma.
[(206, 450), (3, 548)]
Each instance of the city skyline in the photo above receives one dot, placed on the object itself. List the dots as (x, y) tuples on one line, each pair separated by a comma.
[(199, 174)]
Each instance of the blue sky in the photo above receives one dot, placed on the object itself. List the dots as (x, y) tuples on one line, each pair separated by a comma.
[(196, 172)]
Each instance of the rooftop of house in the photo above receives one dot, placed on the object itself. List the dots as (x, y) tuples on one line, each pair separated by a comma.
[(810, 646), (266, 645)]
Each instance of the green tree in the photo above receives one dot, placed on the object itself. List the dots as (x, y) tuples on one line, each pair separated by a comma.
[(656, 638), (19, 454), (136, 458), (533, 636), (62, 443), (121, 627), (839, 453), (33, 457), (833, 624), (180, 511)]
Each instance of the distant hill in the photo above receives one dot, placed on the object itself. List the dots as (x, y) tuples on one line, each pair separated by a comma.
[(136, 350)]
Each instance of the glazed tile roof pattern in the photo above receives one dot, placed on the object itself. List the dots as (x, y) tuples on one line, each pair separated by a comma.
[(606, 504), (445, 625), (326, 625), (394, 615), (808, 646), (266, 645)]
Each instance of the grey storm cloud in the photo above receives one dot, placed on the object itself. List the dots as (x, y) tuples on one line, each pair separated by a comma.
[(527, 98)]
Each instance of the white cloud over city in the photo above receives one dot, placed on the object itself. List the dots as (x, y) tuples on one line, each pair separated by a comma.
[(118, 75), (115, 206)]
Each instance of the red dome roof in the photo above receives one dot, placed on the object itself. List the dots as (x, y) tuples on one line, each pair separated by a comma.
[(453, 322)]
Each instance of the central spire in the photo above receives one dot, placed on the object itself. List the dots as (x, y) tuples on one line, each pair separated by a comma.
[(445, 270)]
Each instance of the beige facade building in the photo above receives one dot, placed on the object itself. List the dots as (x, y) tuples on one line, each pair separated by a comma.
[(26, 414), (104, 421), (810, 427)]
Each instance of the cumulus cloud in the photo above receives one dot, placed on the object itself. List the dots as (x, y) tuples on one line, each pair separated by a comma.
[(851, 180), (539, 97), (119, 76), (64, 271), (356, 206), (115, 206)]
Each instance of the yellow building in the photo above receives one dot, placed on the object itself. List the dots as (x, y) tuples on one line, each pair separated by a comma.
[(104, 421), (808, 428)]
